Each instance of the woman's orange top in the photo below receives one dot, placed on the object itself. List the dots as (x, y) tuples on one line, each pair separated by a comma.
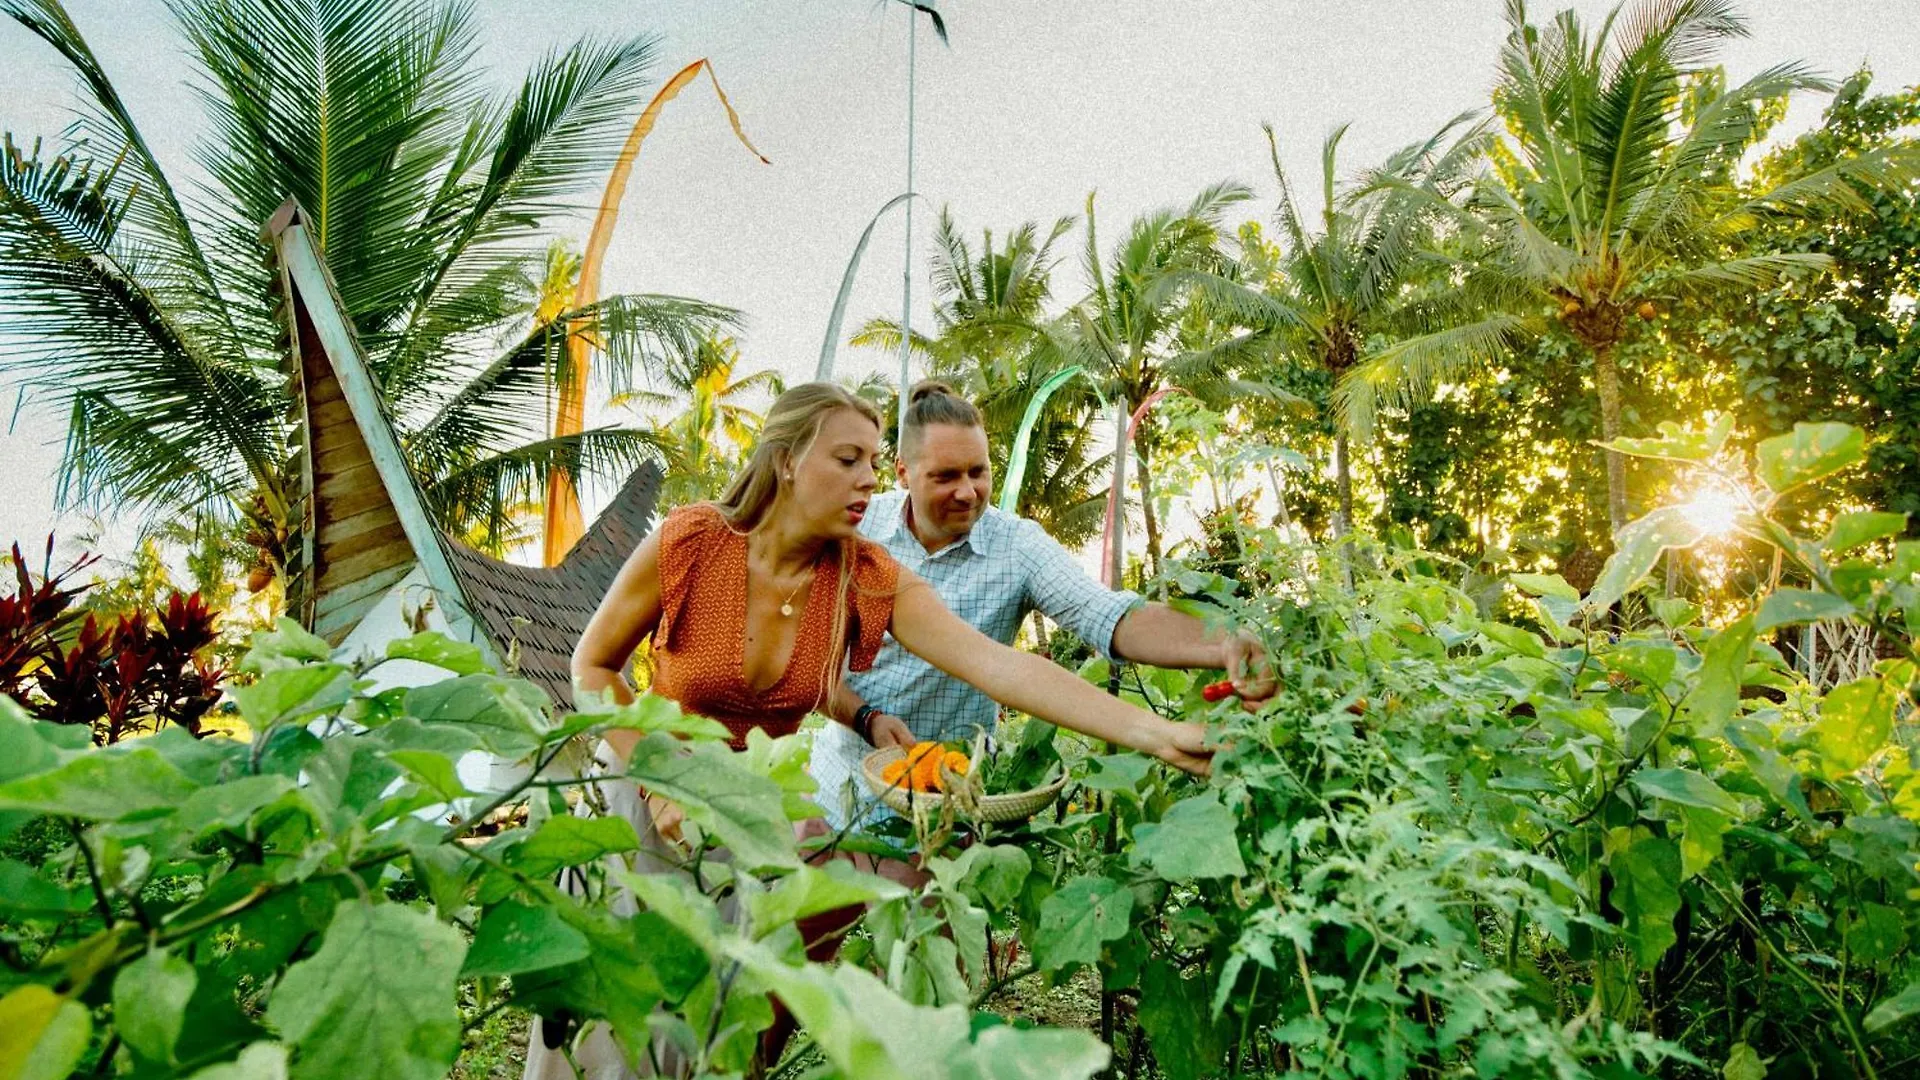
[(699, 647)]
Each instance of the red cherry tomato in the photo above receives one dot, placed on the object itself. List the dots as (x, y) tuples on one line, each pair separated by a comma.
[(1219, 691)]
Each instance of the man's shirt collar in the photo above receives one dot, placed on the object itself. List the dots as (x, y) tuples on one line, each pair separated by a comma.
[(982, 538)]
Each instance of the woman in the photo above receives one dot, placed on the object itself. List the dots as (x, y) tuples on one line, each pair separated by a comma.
[(755, 602)]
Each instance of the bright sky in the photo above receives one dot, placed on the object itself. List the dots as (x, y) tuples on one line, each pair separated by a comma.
[(1033, 106)]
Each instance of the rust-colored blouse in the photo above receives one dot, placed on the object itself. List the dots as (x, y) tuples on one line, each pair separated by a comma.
[(699, 647)]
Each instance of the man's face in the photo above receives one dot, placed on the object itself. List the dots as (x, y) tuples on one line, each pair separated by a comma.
[(947, 480)]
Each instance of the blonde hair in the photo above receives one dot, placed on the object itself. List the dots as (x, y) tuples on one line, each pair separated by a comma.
[(791, 427), (934, 402)]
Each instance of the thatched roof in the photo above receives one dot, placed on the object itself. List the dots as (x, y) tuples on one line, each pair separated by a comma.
[(364, 526)]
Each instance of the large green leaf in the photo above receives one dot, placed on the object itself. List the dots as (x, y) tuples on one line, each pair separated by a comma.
[(1686, 788), (1194, 840), (287, 645), (810, 891), (1187, 1040), (1075, 921), (514, 937), (1716, 688), (1786, 607), (571, 841), (746, 813), (993, 874), (45, 1034), (376, 999), (1808, 453), (1856, 719), (293, 692), (1675, 443), (1636, 549), (507, 715), (25, 892), (1893, 1010), (1004, 1052), (1850, 530), (1646, 877), (459, 657), (1552, 585), (260, 1061), (104, 785), (150, 999)]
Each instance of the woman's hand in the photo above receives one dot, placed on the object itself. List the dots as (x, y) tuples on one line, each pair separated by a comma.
[(1183, 745), (887, 730), (667, 817)]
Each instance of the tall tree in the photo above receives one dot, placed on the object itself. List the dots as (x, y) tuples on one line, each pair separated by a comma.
[(150, 315), (711, 424), (1356, 291), (1166, 311), (1618, 189)]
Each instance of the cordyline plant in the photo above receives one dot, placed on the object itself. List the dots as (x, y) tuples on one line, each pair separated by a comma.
[(137, 673), (316, 903)]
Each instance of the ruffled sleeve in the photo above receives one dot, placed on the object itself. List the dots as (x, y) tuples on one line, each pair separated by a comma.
[(684, 535), (876, 581)]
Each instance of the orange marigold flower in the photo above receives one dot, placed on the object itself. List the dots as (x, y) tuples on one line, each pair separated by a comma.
[(955, 761), (926, 769)]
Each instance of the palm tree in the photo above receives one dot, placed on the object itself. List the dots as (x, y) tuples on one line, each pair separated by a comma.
[(991, 341), (1354, 289), (1618, 187), (151, 315), (711, 426), (1168, 311)]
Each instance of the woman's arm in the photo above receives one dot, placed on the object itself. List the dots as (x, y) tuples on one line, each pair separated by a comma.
[(626, 615), (1033, 684)]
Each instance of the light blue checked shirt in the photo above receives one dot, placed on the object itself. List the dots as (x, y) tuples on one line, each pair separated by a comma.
[(1004, 568)]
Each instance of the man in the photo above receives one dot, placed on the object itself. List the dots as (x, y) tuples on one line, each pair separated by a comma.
[(991, 568)]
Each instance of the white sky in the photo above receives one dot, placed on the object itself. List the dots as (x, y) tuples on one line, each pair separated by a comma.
[(1034, 105)]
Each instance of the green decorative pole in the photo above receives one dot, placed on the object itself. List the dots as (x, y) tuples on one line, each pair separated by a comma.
[(906, 271)]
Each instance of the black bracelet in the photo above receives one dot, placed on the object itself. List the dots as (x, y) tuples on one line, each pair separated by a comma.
[(863, 722)]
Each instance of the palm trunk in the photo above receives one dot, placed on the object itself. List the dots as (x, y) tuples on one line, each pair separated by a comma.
[(1606, 378), (1343, 479), (1147, 512)]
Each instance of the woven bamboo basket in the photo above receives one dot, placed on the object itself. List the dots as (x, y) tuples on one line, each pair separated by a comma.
[(967, 801)]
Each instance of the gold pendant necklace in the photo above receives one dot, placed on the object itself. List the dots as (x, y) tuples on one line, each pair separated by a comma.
[(786, 606)]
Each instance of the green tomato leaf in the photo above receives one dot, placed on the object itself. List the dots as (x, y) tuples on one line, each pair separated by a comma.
[(150, 999), (45, 1034), (1856, 719), (514, 937), (1076, 920), (1195, 839), (1808, 453), (376, 999), (1785, 607), (432, 647), (1744, 1063), (1117, 772)]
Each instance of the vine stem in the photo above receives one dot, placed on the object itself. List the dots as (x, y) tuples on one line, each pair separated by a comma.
[(1839, 1007)]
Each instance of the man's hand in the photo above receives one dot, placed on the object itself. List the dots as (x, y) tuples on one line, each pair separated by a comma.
[(889, 730), (1245, 661), (1184, 746)]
